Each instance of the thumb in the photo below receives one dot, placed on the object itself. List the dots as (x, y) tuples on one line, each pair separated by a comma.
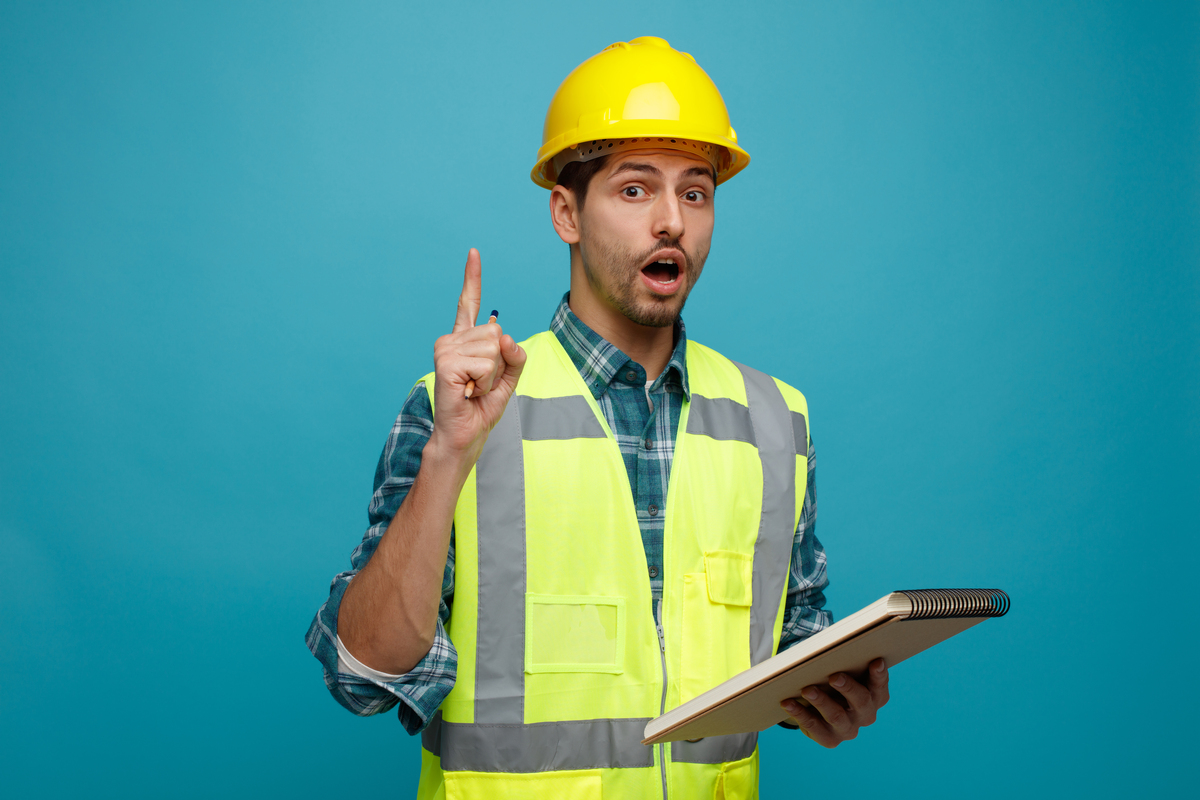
[(514, 359)]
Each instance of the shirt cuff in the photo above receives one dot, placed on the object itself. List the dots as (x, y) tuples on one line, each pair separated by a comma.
[(348, 663)]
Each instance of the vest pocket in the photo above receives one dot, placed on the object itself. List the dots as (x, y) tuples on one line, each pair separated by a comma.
[(716, 623), (729, 577), (739, 780), (575, 785), (565, 633)]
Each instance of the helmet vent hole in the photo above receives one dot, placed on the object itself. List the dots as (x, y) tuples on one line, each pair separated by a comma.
[(716, 155)]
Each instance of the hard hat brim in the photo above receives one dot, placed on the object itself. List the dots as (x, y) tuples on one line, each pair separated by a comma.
[(544, 175)]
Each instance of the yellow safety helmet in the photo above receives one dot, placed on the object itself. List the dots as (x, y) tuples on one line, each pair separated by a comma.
[(637, 94)]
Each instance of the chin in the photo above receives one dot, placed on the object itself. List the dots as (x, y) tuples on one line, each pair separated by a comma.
[(653, 314)]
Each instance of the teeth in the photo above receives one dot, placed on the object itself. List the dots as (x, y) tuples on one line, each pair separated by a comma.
[(666, 261)]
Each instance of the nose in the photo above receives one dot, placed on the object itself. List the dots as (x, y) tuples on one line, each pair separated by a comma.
[(668, 223)]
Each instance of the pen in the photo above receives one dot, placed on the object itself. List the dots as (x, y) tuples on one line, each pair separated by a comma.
[(471, 383)]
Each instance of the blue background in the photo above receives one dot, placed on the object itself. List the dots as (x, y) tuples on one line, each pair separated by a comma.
[(229, 234)]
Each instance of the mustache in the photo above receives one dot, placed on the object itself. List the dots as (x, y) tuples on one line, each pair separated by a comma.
[(665, 244)]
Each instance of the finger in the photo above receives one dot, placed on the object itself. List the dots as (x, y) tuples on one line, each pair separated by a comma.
[(478, 370), (493, 356), (481, 348), (489, 331), (514, 361), (472, 293), (811, 723), (878, 682), (862, 705), (488, 382), (835, 716), (512, 353), (493, 378)]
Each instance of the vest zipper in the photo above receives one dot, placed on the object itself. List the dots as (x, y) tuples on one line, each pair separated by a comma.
[(662, 709)]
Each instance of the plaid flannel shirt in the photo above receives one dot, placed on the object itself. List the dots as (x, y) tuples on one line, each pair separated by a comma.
[(644, 418)]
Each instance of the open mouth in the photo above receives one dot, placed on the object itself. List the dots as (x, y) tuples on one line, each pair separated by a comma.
[(664, 271)]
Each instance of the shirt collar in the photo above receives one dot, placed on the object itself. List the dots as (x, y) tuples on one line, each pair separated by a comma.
[(600, 362)]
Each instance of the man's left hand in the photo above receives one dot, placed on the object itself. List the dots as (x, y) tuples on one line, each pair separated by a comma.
[(829, 722)]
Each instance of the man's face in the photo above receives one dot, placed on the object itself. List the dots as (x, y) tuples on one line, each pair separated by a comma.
[(645, 231)]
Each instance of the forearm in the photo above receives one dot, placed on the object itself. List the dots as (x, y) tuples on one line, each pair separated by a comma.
[(388, 615)]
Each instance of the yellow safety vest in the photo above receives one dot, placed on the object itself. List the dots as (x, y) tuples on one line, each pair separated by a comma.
[(561, 664)]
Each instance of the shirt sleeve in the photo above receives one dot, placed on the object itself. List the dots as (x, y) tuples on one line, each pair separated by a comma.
[(419, 692), (804, 611)]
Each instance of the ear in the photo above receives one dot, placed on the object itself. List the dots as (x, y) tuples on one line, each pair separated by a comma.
[(564, 214)]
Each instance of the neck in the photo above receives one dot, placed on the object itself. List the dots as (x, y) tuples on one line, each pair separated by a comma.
[(650, 347)]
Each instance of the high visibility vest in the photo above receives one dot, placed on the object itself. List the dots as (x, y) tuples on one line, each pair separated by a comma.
[(561, 663)]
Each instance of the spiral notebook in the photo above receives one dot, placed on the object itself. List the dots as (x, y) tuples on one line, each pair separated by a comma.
[(894, 627)]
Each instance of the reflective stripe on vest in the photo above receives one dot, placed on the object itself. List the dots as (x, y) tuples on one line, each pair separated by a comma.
[(585, 744), (776, 440), (539, 746)]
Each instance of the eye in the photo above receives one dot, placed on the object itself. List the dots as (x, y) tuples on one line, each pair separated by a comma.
[(633, 191), (693, 197)]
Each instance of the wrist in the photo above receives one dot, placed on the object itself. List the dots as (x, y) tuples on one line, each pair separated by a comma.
[(442, 457)]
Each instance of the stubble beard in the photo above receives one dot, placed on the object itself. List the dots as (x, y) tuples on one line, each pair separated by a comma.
[(623, 268)]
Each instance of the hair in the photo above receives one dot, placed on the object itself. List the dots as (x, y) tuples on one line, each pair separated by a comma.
[(578, 174)]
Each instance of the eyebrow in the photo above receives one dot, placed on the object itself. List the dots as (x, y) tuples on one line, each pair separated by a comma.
[(634, 166), (699, 172)]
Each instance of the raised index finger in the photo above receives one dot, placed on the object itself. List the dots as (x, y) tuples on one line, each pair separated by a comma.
[(472, 292)]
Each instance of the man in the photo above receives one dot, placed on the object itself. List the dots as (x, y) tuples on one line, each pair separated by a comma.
[(574, 534)]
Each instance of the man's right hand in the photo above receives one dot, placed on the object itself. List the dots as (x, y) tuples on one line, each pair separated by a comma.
[(480, 353), (388, 617)]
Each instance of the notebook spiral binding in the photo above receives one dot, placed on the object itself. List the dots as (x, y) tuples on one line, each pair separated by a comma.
[(947, 603)]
